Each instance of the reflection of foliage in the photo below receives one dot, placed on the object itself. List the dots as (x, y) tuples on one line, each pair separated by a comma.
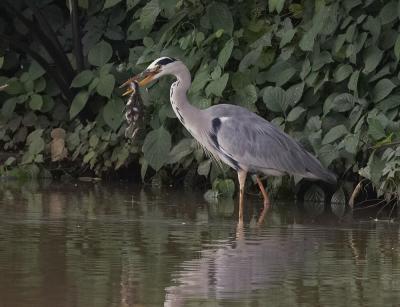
[(324, 71)]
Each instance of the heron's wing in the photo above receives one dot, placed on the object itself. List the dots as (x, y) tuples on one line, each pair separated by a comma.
[(257, 145)]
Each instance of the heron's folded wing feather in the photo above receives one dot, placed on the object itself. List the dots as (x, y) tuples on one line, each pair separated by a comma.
[(258, 145)]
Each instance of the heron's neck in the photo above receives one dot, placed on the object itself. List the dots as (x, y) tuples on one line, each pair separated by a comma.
[(185, 112)]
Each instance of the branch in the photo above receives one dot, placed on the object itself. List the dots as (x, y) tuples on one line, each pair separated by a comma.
[(76, 34)]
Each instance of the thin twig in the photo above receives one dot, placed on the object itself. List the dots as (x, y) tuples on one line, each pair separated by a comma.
[(365, 201), (385, 145), (380, 210)]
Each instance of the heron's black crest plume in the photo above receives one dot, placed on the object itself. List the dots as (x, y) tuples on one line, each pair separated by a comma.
[(165, 61)]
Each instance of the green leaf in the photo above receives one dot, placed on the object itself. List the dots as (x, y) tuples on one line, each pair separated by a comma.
[(351, 143), (276, 5), (93, 84), (248, 94), (287, 37), (275, 99), (135, 32), (200, 80), (181, 150), (82, 79), (217, 72), (295, 113), (375, 128), (334, 134), (382, 89), (250, 59), (372, 57), (220, 17), (280, 73), (35, 142), (100, 54), (40, 85), (110, 3), (35, 71), (397, 48), (391, 102), (105, 86), (149, 14), (353, 82), (342, 72), (78, 103), (216, 87), (225, 53), (321, 59), (36, 102), (89, 156), (376, 166), (113, 113), (294, 93), (327, 154), (8, 107), (83, 4), (307, 41), (94, 140), (343, 102), (225, 187), (204, 167), (10, 161), (305, 69), (156, 147), (388, 12), (130, 4), (373, 25)]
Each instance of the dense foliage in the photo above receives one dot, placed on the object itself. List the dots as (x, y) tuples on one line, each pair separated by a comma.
[(324, 71)]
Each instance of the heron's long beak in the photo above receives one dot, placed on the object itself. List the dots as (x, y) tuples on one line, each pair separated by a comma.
[(146, 77)]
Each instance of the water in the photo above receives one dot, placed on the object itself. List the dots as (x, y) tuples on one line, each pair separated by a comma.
[(98, 245)]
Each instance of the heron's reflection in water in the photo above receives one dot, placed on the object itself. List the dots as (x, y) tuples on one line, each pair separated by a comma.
[(254, 258)]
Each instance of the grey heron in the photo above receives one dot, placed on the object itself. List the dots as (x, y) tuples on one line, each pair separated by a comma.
[(232, 134)]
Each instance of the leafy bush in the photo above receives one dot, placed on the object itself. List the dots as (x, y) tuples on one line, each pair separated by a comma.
[(324, 71)]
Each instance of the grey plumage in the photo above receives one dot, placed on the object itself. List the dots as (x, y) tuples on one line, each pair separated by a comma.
[(243, 140), (259, 146)]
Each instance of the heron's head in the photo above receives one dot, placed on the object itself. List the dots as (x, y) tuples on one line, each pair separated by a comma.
[(158, 68)]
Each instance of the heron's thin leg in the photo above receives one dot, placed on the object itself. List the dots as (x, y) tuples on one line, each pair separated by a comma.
[(264, 193), (266, 201), (242, 180), (261, 218)]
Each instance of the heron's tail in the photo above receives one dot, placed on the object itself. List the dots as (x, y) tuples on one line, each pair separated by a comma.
[(315, 170)]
